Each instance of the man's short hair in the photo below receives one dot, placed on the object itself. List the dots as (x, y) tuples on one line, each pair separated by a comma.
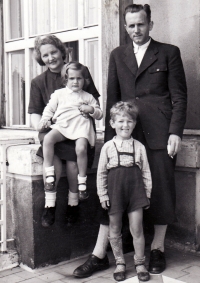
[(134, 8), (124, 108)]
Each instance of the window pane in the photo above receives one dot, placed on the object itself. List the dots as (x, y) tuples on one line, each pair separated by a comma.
[(92, 62), (17, 88), (91, 12), (16, 17), (52, 15), (35, 68)]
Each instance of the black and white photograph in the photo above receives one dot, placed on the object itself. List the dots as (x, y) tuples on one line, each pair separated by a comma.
[(99, 141)]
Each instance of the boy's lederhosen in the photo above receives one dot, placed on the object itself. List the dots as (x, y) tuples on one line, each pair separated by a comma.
[(126, 187)]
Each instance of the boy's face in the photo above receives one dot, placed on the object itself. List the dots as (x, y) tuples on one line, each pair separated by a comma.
[(123, 125), (75, 80)]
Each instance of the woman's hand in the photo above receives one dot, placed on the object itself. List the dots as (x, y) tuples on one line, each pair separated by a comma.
[(43, 125), (105, 204), (86, 109)]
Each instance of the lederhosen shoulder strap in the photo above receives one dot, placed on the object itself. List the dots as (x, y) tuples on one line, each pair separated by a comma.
[(124, 153)]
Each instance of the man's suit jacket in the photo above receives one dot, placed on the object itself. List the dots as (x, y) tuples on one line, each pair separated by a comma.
[(158, 87)]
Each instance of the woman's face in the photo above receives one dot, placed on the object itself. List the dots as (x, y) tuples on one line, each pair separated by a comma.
[(52, 57)]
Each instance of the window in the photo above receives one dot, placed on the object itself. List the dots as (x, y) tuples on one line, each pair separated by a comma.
[(52, 15), (15, 19), (17, 86), (75, 22)]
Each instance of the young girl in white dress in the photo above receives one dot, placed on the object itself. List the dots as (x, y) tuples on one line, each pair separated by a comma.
[(71, 111)]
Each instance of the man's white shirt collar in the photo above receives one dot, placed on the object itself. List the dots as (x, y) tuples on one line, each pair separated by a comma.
[(142, 47)]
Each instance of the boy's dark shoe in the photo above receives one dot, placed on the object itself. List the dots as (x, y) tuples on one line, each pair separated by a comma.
[(72, 214), (83, 195), (157, 263), (48, 216), (92, 265)]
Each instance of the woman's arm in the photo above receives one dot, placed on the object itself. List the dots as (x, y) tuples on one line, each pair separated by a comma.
[(35, 119)]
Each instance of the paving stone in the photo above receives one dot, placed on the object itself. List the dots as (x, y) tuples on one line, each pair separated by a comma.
[(193, 270), (26, 274), (51, 276), (156, 278), (171, 280), (11, 279), (101, 280), (32, 280), (10, 271)]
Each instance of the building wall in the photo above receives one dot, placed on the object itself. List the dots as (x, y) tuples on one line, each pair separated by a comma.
[(1, 65), (177, 22)]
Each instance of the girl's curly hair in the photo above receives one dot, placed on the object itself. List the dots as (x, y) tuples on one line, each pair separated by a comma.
[(48, 39)]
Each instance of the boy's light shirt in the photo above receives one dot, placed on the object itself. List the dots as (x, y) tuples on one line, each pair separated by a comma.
[(109, 159), (140, 51)]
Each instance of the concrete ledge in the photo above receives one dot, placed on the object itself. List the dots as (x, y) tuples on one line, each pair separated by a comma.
[(22, 159), (35, 245), (189, 156), (8, 260)]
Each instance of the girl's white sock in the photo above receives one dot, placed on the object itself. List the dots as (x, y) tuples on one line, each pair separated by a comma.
[(72, 199), (49, 171), (82, 180), (50, 199), (159, 237)]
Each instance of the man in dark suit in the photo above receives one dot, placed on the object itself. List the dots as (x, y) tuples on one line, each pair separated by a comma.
[(151, 73)]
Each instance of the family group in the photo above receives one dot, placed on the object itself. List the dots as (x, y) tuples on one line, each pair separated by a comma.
[(144, 122)]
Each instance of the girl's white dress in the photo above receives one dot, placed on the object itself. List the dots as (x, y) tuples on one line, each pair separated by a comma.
[(63, 109)]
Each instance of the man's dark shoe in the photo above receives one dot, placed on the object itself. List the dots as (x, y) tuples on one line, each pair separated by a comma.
[(72, 214), (48, 216), (92, 264), (157, 263)]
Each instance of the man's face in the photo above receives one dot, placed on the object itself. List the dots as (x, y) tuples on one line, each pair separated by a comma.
[(138, 27)]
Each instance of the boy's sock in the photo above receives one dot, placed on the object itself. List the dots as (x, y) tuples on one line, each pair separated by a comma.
[(102, 242), (72, 199), (159, 237), (50, 199), (82, 183), (49, 172)]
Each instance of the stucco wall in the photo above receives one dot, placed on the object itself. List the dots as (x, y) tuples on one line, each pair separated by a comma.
[(177, 22)]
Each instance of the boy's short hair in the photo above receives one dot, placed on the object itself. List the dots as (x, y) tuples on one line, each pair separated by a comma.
[(121, 107), (74, 65)]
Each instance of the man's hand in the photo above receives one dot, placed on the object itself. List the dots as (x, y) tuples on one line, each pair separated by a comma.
[(174, 145), (43, 125), (105, 204)]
